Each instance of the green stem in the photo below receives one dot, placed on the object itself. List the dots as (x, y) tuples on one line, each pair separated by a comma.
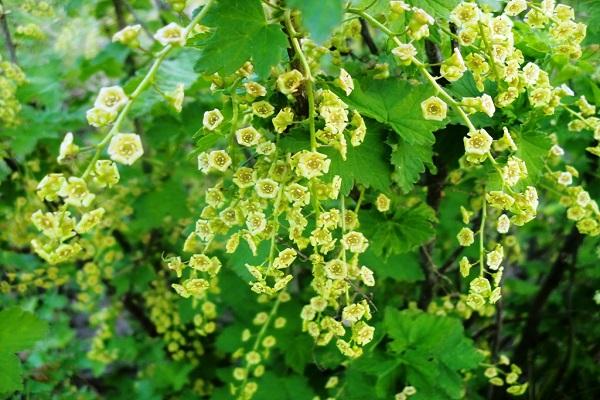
[(481, 235), (307, 77), (488, 52), (143, 85), (578, 116), (310, 95), (361, 197), (260, 336)]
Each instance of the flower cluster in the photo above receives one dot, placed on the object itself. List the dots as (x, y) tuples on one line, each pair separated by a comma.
[(273, 192), (505, 373), (11, 77), (61, 230)]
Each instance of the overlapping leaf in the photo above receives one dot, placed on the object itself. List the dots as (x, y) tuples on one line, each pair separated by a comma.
[(241, 33), (19, 330)]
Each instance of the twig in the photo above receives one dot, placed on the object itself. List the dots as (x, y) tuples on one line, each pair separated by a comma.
[(138, 19), (565, 258), (366, 35), (10, 45)]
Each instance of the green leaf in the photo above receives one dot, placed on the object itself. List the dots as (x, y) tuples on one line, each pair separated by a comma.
[(319, 17), (153, 207), (241, 33), (396, 103), (299, 353), (19, 329), (533, 147), (365, 164), (409, 162), (399, 267), (290, 387), (206, 142), (408, 229), (434, 349), (437, 8), (10, 373)]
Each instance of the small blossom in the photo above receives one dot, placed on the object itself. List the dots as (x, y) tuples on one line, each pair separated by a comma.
[(487, 105), (499, 199), (357, 136), (248, 136), (465, 14), (175, 97), (244, 177), (212, 119), (494, 258), (100, 116), (49, 187), (76, 193), (465, 237), (557, 151), (266, 148), (503, 224), (515, 7), (111, 98), (298, 194), (405, 53), (481, 286), (125, 148), (290, 81), (434, 108), (362, 333), (382, 203), (255, 89), (336, 269), (353, 312), (354, 241), (464, 266), (89, 220), (311, 164), (345, 82), (262, 109), (564, 178), (219, 160), (283, 119), (128, 36), (366, 275), (266, 188), (67, 148), (478, 142), (454, 67), (172, 34), (256, 222)]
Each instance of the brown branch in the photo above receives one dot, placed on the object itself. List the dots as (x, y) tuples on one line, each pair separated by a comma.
[(120, 13), (566, 257), (367, 38), (10, 45)]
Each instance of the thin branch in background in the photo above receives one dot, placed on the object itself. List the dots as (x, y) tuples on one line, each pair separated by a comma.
[(566, 257), (366, 35), (160, 7), (8, 41), (137, 19)]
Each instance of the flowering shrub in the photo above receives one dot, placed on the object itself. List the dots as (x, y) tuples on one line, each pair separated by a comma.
[(299, 199)]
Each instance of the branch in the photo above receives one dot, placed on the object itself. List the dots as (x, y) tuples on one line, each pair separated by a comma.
[(138, 19), (366, 35), (10, 45), (566, 257)]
